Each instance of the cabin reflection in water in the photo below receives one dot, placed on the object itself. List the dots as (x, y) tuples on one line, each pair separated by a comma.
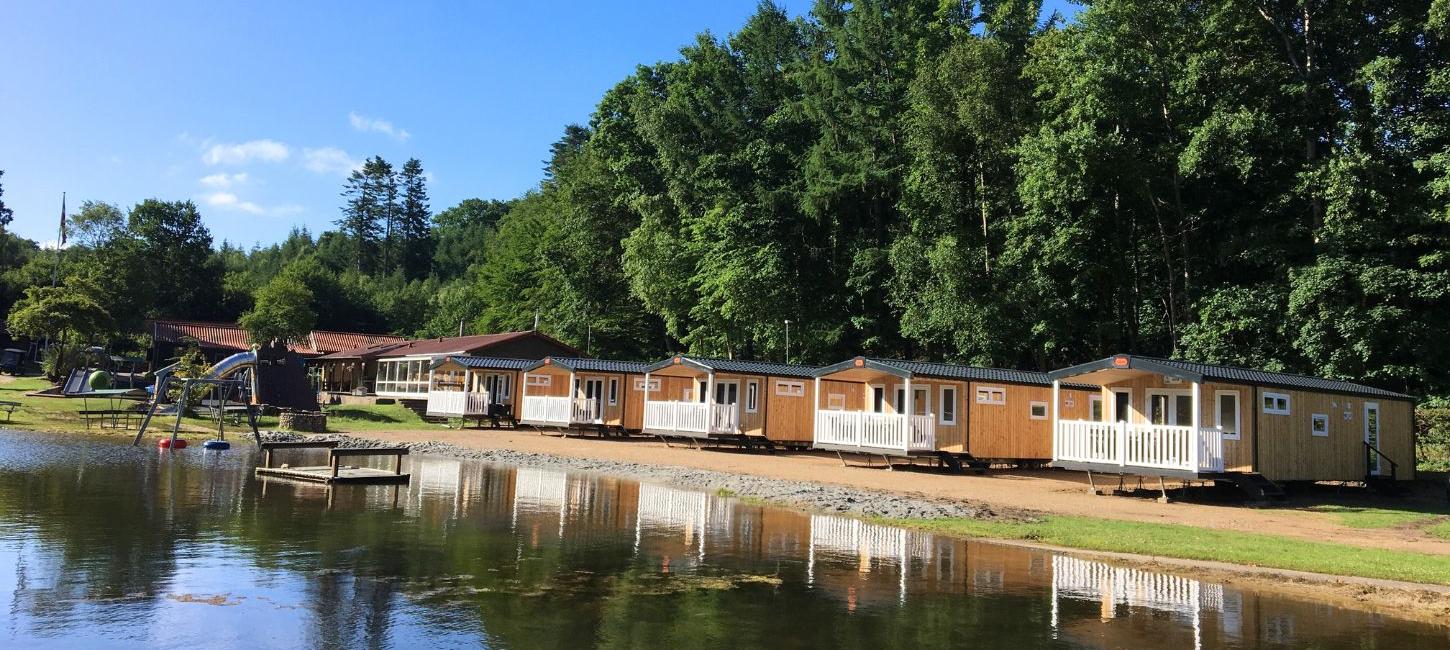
[(1114, 588)]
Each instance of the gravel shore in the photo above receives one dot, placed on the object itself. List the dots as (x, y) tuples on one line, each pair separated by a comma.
[(815, 497)]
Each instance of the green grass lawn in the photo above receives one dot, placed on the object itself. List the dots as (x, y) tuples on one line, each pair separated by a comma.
[(62, 415), (1367, 517), (1187, 542), (1441, 530)]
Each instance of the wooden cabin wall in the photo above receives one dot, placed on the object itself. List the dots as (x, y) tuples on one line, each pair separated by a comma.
[(949, 437), (479, 376), (790, 418), (1238, 454), (634, 400), (558, 386), (750, 423), (1008, 431), (1288, 450)]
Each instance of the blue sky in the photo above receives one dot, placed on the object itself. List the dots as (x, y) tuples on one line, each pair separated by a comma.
[(257, 110)]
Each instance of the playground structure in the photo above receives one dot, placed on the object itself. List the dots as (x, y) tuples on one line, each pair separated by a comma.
[(269, 375)]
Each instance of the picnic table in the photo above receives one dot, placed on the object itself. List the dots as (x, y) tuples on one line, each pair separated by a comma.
[(118, 412)]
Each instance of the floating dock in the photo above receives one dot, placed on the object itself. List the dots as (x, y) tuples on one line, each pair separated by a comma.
[(335, 472)]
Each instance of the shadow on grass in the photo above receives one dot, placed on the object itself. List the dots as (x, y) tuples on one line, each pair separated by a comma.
[(363, 415)]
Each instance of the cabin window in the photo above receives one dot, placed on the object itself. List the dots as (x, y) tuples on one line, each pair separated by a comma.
[(1319, 425), (613, 391), (654, 384), (752, 396), (1037, 410), (504, 386), (1276, 404), (790, 388), (1227, 412), (836, 402), (878, 399), (1122, 406), (1095, 408), (991, 395), (538, 380), (704, 388), (948, 405)]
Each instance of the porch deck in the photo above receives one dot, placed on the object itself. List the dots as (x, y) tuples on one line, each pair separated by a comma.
[(546, 411), (691, 419), (458, 403), (885, 434), (1139, 449)]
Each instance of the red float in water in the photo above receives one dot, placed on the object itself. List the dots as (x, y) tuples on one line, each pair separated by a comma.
[(165, 443)]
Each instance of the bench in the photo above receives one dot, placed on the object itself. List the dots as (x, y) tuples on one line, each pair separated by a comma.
[(9, 408)]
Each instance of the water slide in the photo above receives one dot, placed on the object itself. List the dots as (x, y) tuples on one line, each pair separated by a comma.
[(232, 365)]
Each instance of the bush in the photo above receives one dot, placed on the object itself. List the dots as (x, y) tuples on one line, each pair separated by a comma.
[(1432, 436), (58, 360)]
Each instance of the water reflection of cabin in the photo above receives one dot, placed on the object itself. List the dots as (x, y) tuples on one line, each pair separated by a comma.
[(564, 393), (913, 408), (699, 397), (1161, 417), (464, 386)]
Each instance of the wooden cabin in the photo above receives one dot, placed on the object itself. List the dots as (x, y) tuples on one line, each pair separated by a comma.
[(399, 369), (564, 393), (1162, 417), (474, 387), (730, 399), (912, 408)]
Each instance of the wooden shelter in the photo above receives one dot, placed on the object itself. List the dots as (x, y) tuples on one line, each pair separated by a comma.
[(1164, 417), (913, 408), (729, 399), (564, 393)]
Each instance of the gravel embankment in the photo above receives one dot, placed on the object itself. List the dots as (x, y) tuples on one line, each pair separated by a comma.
[(815, 497)]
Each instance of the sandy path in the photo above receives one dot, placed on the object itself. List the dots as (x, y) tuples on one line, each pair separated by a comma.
[(1046, 491)]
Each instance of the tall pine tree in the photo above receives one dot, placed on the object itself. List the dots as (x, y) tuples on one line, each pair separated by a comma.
[(414, 217)]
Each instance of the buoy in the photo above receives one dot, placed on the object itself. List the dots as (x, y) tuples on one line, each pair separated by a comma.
[(165, 443), (216, 444)]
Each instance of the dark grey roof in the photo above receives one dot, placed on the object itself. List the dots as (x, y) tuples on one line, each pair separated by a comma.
[(1205, 371), (739, 366), (488, 363), (590, 365), (902, 368)]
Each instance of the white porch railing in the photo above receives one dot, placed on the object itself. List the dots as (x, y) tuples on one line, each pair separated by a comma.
[(876, 431), (1151, 446), (546, 410), (457, 403), (586, 409), (695, 419)]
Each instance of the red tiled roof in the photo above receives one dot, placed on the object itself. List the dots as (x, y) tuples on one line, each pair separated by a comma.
[(325, 342), (230, 336), (476, 344)]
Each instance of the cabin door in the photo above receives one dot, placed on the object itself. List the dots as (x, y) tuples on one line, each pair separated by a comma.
[(1122, 405), (594, 390), (1172, 408), (1372, 436), (727, 392)]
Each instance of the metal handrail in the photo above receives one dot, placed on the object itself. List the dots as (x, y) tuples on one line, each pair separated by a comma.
[(1368, 448)]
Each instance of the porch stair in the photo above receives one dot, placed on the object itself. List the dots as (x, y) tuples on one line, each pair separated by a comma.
[(1254, 485), (960, 463)]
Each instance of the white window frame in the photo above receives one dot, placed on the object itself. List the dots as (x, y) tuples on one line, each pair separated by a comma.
[(1096, 400), (1276, 409), (654, 384), (613, 391), (1218, 396), (539, 380), (871, 398), (1046, 412), (992, 395), (1118, 397), (942, 401), (1171, 415), (752, 395), (1314, 420), (788, 388), (836, 402)]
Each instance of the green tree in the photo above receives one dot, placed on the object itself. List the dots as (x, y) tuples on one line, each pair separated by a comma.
[(63, 313), (281, 311), (414, 219), (6, 214), (459, 233)]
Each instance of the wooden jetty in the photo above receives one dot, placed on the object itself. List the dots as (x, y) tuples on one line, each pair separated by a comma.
[(335, 471)]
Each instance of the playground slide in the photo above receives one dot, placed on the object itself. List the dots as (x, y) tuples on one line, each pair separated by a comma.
[(232, 365)]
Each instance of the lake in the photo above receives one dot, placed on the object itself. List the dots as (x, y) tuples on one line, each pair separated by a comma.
[(104, 545)]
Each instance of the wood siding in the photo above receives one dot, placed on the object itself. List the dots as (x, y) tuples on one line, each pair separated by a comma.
[(1008, 431), (1289, 451), (787, 418)]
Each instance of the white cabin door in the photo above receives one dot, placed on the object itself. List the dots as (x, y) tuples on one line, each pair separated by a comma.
[(727, 392), (594, 390), (1372, 436)]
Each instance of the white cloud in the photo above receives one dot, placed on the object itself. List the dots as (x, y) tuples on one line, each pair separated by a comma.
[(245, 152), (223, 181), (364, 123), (329, 160), (228, 202)]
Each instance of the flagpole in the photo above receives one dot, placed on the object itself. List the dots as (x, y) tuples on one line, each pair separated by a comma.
[(59, 243)]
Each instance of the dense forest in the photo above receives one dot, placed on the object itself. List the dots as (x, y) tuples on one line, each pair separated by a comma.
[(1254, 182)]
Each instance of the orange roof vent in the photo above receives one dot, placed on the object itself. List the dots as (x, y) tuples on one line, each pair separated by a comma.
[(1120, 362)]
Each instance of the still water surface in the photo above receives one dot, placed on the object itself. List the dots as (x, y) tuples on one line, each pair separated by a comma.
[(102, 545)]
